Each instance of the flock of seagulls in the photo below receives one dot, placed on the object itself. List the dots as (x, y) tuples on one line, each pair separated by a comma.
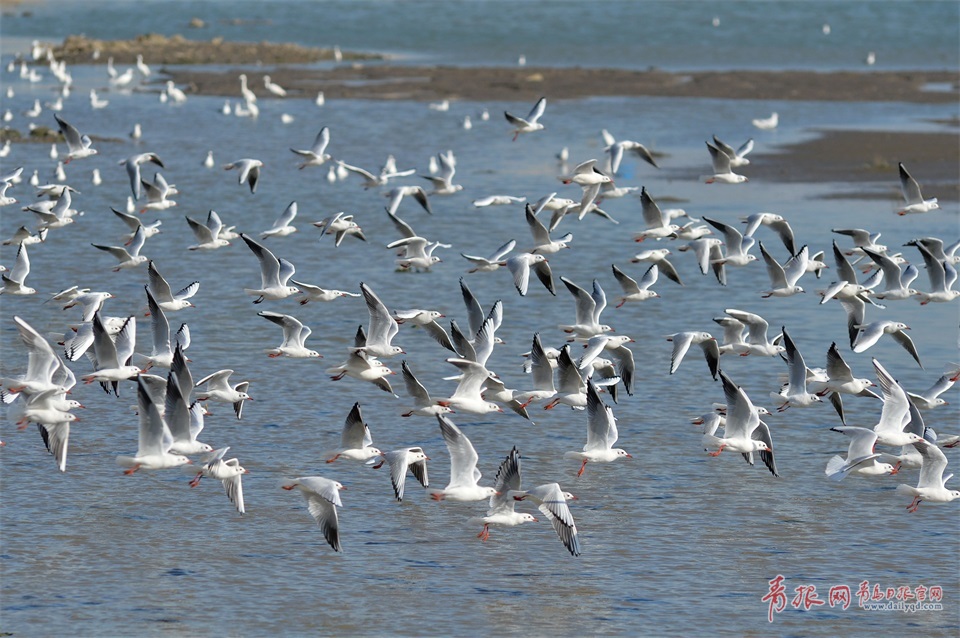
[(592, 368)]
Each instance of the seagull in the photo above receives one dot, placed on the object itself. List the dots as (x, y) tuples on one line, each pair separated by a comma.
[(208, 235), (316, 293), (316, 155), (229, 473), (129, 256), (930, 398), (658, 256), (155, 440), (601, 433), (543, 243), (861, 456), (895, 413), (911, 193), (24, 236), (633, 291), (56, 214), (397, 194), (323, 499), (617, 347), (498, 200), (744, 432), (274, 274), (174, 93), (840, 380), (13, 281), (249, 171), (219, 389), (79, 146), (340, 226), (931, 486), (423, 404), (133, 223), (571, 387), (942, 276), (294, 336), (589, 306), (157, 194), (443, 183), (464, 475), (737, 245), (162, 350), (412, 458), (281, 227), (552, 501), (795, 393), (590, 179), (427, 319), (520, 267), (417, 254), (896, 280), (364, 367), (870, 333), (616, 150), (768, 123), (501, 510), (274, 88), (722, 171), (356, 443), (531, 123), (757, 342), (164, 295), (185, 421), (737, 157), (111, 359), (132, 164), (374, 181), (776, 223), (861, 239), (382, 327), (682, 342), (658, 224), (493, 262), (467, 397), (783, 279)]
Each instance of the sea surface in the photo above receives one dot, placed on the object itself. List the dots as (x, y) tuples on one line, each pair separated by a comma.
[(674, 542)]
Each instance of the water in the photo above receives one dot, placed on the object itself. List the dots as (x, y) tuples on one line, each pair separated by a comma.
[(674, 542)]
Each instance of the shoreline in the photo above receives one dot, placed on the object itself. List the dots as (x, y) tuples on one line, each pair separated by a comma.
[(429, 83)]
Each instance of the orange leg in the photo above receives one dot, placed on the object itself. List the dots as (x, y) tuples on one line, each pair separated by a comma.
[(583, 466), (717, 453), (132, 469)]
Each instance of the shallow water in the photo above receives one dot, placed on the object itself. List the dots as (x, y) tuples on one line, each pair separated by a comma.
[(675, 542)]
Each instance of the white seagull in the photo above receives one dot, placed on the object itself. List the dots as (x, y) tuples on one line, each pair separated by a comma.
[(601, 433), (155, 440), (79, 146), (274, 274), (464, 475), (323, 499), (316, 155), (249, 171), (529, 124), (502, 504), (294, 337), (911, 193)]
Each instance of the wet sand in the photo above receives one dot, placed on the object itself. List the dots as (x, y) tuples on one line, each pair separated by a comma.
[(426, 83)]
